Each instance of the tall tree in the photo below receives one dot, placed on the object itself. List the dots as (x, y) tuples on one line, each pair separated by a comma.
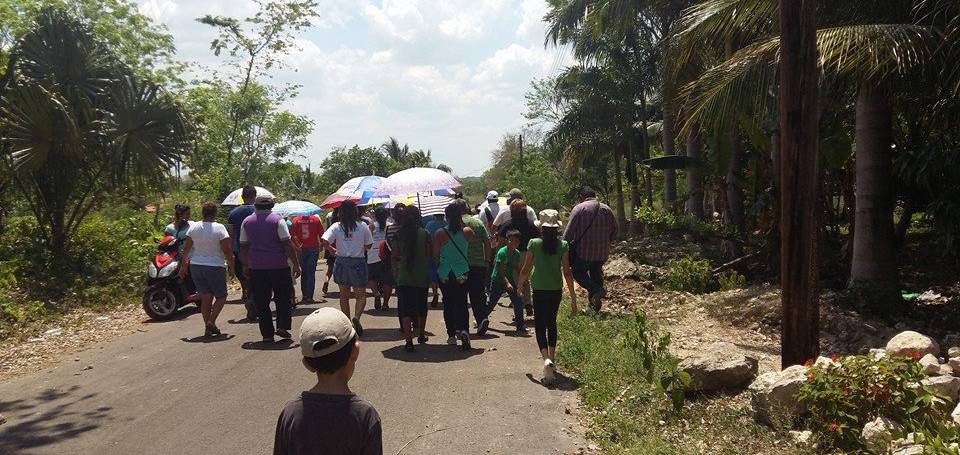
[(799, 178), (256, 45)]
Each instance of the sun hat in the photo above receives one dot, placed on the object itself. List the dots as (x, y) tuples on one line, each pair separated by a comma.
[(325, 331), (264, 200), (549, 218), (492, 196)]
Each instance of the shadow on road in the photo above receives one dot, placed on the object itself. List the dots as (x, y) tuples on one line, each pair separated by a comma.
[(391, 334), (208, 339), (430, 353), (281, 345), (180, 314), (509, 333), (560, 382), (46, 419)]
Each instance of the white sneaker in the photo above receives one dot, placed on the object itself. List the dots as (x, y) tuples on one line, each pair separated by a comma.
[(548, 371), (452, 341)]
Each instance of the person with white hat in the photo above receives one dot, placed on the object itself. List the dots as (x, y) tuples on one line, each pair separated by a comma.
[(489, 210), (329, 418), (549, 262)]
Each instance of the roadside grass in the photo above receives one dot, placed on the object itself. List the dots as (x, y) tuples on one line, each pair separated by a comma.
[(628, 410)]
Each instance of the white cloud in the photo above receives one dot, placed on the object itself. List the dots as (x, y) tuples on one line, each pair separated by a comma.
[(461, 26), (447, 76)]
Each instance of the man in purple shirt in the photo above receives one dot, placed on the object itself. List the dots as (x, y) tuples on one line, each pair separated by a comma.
[(268, 255), (591, 229)]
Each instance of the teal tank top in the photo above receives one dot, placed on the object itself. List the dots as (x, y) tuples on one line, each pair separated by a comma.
[(453, 256)]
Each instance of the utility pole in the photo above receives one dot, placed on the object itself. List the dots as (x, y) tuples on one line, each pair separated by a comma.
[(520, 138)]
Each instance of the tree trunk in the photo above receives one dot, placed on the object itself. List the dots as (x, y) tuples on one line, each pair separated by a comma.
[(618, 179), (669, 117), (694, 205), (635, 197), (874, 267), (799, 171), (733, 212)]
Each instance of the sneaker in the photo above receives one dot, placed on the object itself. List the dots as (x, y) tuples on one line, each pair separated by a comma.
[(422, 340), (358, 327), (549, 371), (522, 332), (214, 329), (529, 309), (452, 341), (268, 339), (283, 334), (483, 326), (464, 340), (409, 347), (207, 332)]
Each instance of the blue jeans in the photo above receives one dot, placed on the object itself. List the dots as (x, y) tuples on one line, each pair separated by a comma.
[(496, 291), (308, 267)]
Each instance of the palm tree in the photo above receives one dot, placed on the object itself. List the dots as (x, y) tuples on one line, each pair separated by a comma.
[(445, 168), (77, 127), (865, 49), (395, 151)]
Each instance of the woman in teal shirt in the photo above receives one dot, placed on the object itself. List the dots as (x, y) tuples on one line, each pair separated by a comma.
[(550, 263), (450, 255)]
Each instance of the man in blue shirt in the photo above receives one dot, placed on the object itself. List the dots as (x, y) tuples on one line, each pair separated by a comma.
[(234, 221)]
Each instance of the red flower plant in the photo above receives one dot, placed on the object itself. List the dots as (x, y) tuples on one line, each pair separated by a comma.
[(916, 356), (833, 428), (808, 362)]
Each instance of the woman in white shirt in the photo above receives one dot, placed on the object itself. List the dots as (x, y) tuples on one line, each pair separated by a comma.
[(349, 239), (208, 250)]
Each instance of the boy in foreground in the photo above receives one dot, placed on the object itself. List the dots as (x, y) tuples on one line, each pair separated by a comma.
[(328, 419)]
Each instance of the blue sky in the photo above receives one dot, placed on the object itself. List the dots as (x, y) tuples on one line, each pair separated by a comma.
[(445, 75)]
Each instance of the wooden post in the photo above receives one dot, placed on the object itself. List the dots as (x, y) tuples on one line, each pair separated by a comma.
[(799, 187)]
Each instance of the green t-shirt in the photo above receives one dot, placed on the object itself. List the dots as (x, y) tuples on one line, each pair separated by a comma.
[(418, 274), (510, 262), (480, 237), (547, 269)]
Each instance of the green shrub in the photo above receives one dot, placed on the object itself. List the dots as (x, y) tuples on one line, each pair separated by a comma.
[(658, 221), (844, 395), (104, 264), (688, 274), (731, 280)]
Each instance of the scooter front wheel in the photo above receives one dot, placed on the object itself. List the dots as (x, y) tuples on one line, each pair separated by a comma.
[(159, 303)]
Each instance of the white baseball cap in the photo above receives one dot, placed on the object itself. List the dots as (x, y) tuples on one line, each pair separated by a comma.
[(492, 195), (325, 331)]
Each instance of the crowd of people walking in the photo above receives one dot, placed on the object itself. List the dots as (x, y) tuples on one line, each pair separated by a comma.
[(474, 256)]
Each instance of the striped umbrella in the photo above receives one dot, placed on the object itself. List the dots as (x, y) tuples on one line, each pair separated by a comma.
[(429, 205), (358, 189)]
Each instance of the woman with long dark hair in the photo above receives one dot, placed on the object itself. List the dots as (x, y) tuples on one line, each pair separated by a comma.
[(411, 262), (549, 262), (380, 273), (450, 245), (349, 241)]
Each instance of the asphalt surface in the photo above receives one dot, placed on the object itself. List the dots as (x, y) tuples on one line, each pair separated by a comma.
[(168, 391)]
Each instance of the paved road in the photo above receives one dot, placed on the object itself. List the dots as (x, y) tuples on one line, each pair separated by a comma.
[(163, 391)]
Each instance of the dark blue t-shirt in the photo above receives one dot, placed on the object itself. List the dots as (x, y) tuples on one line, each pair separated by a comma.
[(235, 219)]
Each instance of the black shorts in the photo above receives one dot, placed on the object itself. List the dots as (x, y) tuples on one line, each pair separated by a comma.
[(238, 268), (411, 302), (380, 273)]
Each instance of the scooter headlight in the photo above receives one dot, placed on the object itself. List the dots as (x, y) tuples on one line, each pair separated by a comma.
[(152, 271), (168, 269)]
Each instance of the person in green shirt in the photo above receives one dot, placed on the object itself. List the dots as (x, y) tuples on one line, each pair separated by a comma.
[(549, 262), (506, 269), (410, 260)]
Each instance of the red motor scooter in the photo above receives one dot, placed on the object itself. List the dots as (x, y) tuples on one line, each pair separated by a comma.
[(166, 292)]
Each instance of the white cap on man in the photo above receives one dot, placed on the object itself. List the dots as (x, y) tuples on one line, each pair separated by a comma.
[(493, 196)]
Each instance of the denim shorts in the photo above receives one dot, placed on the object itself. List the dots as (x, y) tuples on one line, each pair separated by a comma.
[(209, 279), (350, 272)]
